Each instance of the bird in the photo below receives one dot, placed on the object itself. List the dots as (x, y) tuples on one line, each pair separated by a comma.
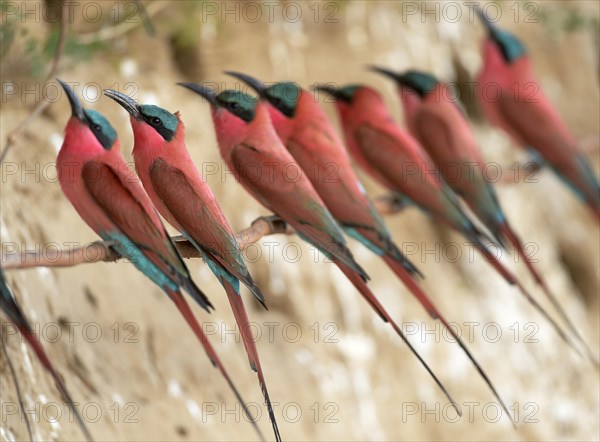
[(253, 152), (184, 199), (395, 158), (512, 99), (309, 136), (97, 181), (440, 126), (12, 310)]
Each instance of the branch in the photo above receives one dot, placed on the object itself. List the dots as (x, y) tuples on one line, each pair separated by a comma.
[(122, 28), (102, 251), (43, 104)]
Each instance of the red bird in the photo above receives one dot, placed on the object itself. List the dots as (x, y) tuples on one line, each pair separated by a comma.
[(309, 136), (527, 115), (98, 182), (394, 158), (441, 127), (183, 198), (9, 306), (253, 152)]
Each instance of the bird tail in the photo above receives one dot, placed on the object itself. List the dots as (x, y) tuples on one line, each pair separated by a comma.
[(364, 290), (241, 318), (426, 302), (512, 280), (396, 254), (198, 295), (189, 317), (511, 236), (31, 338)]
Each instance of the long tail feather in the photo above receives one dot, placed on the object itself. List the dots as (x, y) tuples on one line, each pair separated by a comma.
[(512, 280), (364, 290), (516, 243), (426, 302), (29, 335), (241, 318), (186, 312)]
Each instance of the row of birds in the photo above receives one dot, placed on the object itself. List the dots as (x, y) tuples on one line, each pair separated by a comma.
[(286, 125)]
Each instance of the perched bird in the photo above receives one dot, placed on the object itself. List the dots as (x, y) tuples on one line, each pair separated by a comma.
[(437, 122), (253, 152), (9, 306), (510, 96), (183, 198), (394, 158), (98, 182), (309, 136)]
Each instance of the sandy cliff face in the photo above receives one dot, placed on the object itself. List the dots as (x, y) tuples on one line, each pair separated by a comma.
[(335, 371)]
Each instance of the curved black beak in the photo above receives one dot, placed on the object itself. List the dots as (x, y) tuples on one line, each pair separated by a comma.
[(386, 72), (331, 91), (128, 103), (76, 107), (204, 91), (255, 84), (491, 27)]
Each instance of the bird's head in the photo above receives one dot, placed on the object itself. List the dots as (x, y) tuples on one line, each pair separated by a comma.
[(418, 82), (283, 96), (233, 102), (347, 98), (509, 46), (88, 123), (152, 125)]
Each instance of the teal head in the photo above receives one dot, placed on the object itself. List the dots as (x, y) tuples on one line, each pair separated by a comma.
[(422, 83), (161, 120), (238, 103), (97, 123), (508, 44), (284, 96), (345, 94)]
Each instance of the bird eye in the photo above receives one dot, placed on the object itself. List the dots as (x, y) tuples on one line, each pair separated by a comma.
[(97, 128), (234, 105), (156, 121)]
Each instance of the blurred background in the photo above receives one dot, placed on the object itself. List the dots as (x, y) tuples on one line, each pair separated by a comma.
[(334, 370)]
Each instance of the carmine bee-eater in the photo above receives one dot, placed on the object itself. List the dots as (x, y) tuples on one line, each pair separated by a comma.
[(523, 111), (309, 136), (99, 184), (396, 159), (252, 150), (440, 126), (9, 306), (184, 199)]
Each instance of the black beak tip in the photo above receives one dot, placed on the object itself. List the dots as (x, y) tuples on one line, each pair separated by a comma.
[(484, 18), (383, 71), (128, 103), (203, 91), (76, 106), (330, 91), (254, 83)]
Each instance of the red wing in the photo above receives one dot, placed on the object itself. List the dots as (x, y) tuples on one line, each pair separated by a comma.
[(338, 186), (413, 173), (536, 127), (113, 195), (437, 138), (268, 178), (195, 216)]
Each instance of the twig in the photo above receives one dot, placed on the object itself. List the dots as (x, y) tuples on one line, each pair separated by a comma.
[(102, 250), (17, 388), (118, 30), (43, 104)]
